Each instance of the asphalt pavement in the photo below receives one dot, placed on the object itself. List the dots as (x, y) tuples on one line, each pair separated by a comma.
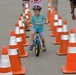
[(48, 63)]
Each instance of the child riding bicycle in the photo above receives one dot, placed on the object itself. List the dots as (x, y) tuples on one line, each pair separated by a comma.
[(37, 21)]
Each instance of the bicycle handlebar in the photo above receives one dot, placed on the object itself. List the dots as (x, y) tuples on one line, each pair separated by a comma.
[(42, 23)]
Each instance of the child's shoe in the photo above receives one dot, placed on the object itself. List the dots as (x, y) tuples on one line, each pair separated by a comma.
[(31, 47), (44, 48)]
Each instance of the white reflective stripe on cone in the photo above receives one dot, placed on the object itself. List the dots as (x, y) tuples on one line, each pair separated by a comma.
[(49, 8), (23, 14), (17, 30), (72, 38), (13, 51), (55, 23), (19, 39), (60, 22), (64, 28), (21, 31), (13, 40), (59, 29), (4, 61), (49, 4), (26, 12), (27, 17), (22, 18), (20, 23), (27, 9), (10, 73), (64, 37), (51, 11), (56, 17), (23, 25), (71, 49), (26, 5)]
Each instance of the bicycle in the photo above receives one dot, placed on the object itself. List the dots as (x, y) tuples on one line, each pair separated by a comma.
[(37, 44)]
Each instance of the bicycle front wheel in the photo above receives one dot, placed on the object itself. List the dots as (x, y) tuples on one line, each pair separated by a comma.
[(37, 49)]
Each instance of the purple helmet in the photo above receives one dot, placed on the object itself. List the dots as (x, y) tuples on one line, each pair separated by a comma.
[(37, 7)]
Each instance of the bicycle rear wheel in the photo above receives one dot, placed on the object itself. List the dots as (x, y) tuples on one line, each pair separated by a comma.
[(37, 49)]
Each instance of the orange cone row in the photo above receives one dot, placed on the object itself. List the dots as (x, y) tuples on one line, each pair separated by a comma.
[(10, 63), (67, 41), (20, 44), (64, 40), (14, 55), (55, 24), (58, 31), (70, 66)]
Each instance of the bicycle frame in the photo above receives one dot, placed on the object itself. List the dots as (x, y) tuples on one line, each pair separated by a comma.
[(37, 40)]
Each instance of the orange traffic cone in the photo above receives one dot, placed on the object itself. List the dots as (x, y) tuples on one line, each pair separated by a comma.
[(27, 16), (28, 12), (5, 67), (22, 33), (27, 4), (22, 25), (64, 40), (17, 69), (22, 18), (71, 54), (20, 21), (49, 3), (55, 24), (51, 16), (22, 52), (49, 12), (59, 31)]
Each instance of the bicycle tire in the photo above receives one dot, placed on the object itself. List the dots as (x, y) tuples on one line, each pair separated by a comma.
[(37, 49)]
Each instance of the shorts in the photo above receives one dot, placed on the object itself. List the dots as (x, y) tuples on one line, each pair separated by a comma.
[(40, 33)]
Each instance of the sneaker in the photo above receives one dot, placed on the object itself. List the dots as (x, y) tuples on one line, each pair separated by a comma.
[(44, 48), (31, 47)]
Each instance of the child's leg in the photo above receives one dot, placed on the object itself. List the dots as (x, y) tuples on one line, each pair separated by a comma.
[(42, 38), (32, 37), (43, 41)]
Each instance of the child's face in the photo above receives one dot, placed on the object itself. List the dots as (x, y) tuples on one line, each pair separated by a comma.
[(36, 12)]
